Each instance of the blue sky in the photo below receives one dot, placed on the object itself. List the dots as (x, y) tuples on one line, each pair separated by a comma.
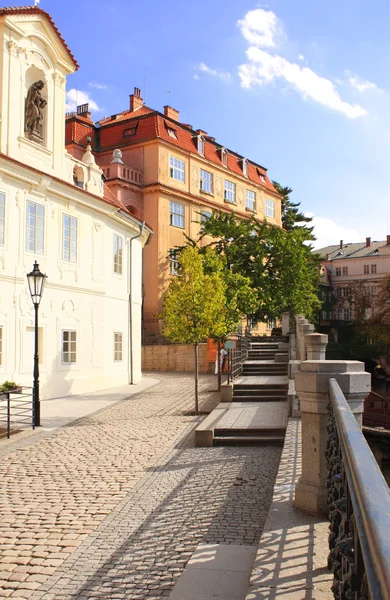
[(300, 86)]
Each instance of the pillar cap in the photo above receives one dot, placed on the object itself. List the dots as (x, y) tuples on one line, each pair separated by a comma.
[(332, 366)]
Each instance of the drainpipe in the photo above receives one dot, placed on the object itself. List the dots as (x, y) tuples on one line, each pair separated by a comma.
[(141, 230)]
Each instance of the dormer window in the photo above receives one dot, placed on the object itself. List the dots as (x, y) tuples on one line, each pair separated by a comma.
[(171, 131), (244, 164), (224, 157), (200, 144), (261, 176)]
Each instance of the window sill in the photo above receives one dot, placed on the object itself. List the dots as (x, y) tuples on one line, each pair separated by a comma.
[(207, 193), (230, 202), (252, 210), (177, 226)]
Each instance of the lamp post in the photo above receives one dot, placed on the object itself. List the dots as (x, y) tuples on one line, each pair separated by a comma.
[(36, 281)]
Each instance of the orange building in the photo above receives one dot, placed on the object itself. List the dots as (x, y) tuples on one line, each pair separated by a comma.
[(171, 176)]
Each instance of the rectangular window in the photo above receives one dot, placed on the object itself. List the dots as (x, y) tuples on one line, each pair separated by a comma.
[(346, 314), (173, 262), (206, 182), (269, 208), (230, 192), (35, 228), (339, 292), (366, 269), (345, 270), (2, 219), (338, 271), (176, 168), (176, 216), (373, 268), (117, 346), (69, 347), (251, 200), (204, 215), (1, 346), (69, 238), (118, 254)]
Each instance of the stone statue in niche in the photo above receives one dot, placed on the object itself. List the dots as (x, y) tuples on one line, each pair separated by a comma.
[(35, 104)]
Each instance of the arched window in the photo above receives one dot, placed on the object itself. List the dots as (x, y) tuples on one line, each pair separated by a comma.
[(78, 177)]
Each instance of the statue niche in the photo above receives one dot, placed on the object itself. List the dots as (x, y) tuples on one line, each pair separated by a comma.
[(33, 120)]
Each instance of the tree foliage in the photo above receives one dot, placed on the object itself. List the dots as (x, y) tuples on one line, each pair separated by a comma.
[(282, 270), (292, 218)]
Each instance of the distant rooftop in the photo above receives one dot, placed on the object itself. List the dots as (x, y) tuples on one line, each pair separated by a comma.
[(351, 250)]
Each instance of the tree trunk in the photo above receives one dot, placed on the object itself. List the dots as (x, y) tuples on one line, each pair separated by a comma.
[(219, 365), (196, 380)]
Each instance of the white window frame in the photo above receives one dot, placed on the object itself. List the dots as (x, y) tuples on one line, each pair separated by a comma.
[(345, 271), (118, 346), (250, 202), (172, 132), (173, 262), (2, 218), (366, 269), (338, 271), (204, 215), (224, 157), (177, 215), (118, 254), (177, 169), (70, 234), (38, 246), (205, 181), (269, 207), (229, 191), (70, 351), (200, 144), (373, 269), (245, 167)]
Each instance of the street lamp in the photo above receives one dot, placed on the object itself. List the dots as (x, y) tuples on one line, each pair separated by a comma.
[(36, 281)]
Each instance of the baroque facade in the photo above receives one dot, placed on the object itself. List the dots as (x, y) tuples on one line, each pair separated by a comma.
[(55, 209), (172, 176)]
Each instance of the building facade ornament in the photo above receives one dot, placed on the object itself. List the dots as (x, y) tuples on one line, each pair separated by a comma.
[(34, 119)]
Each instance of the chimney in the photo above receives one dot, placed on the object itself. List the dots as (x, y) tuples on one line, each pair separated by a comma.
[(83, 111), (172, 113), (341, 244), (388, 240), (368, 242), (201, 132), (135, 100)]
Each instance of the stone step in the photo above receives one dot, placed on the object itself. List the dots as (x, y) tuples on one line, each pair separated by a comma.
[(259, 390), (246, 398), (249, 441), (264, 372), (257, 431)]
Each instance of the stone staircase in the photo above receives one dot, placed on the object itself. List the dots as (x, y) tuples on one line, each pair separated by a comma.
[(258, 411)]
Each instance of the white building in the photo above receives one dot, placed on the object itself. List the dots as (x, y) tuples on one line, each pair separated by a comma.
[(56, 210)]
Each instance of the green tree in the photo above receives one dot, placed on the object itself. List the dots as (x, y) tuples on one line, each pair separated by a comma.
[(291, 216), (194, 304), (282, 270)]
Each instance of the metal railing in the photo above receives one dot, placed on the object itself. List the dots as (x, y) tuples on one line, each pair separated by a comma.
[(16, 410), (236, 358), (359, 509)]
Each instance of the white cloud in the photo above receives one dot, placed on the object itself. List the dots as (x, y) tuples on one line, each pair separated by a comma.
[(301, 57), (362, 85), (223, 75), (76, 97), (328, 232), (196, 76), (97, 85), (261, 28)]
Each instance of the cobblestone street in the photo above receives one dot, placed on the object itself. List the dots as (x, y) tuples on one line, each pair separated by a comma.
[(114, 505)]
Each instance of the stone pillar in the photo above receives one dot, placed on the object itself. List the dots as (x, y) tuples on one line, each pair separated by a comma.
[(312, 387), (285, 323), (316, 346)]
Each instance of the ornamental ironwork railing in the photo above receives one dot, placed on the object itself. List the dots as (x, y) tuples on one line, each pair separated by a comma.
[(236, 358), (16, 411), (359, 509)]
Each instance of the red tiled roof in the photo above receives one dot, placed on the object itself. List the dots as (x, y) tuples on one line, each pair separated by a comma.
[(34, 10), (127, 114), (76, 131)]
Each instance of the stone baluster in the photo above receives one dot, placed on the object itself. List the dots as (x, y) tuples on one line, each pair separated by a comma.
[(312, 388)]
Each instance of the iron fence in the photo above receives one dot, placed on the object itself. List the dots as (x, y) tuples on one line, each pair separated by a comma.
[(16, 410), (236, 357), (359, 509)]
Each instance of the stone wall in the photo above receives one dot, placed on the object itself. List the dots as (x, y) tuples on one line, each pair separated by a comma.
[(172, 357)]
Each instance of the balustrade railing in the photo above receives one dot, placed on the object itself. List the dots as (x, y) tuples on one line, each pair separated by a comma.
[(359, 509), (236, 358), (16, 410)]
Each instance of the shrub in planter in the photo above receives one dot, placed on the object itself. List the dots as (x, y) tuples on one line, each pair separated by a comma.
[(10, 386)]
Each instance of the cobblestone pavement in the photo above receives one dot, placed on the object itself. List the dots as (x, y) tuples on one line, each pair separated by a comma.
[(114, 505)]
